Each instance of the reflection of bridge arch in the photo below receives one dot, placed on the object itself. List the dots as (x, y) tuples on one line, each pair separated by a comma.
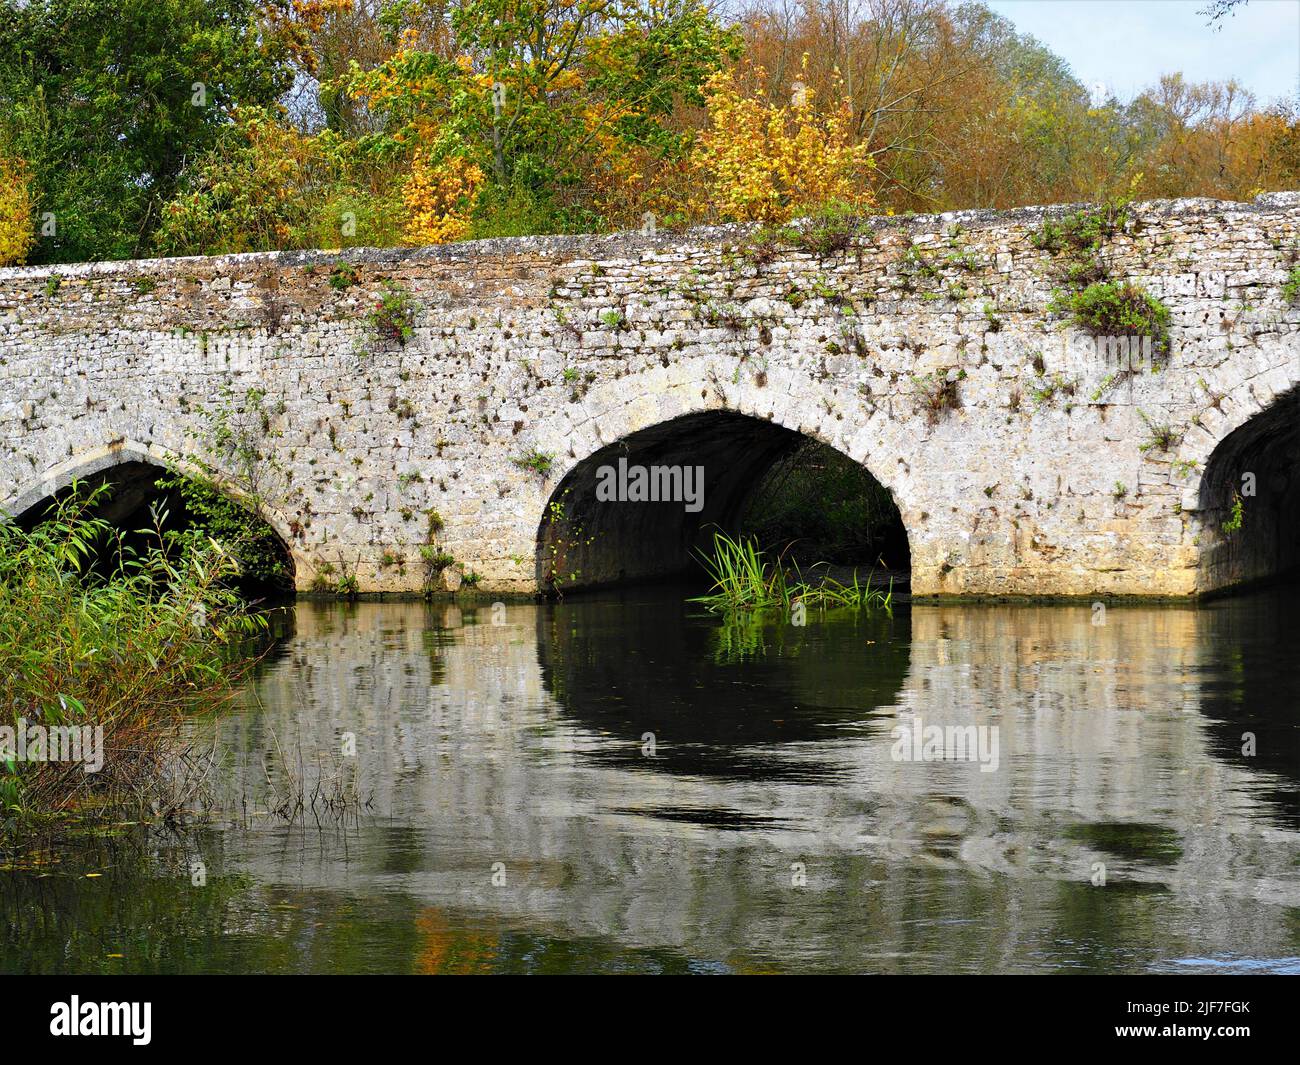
[(628, 666)]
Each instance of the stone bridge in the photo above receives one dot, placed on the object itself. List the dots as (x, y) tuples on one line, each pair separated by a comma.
[(924, 348)]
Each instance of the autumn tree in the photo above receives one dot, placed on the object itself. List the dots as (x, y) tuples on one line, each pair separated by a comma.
[(196, 126), (768, 160), (534, 90), (17, 234)]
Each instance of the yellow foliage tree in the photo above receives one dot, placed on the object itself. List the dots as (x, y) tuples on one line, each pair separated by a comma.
[(17, 234), (440, 198), (768, 162), (626, 182)]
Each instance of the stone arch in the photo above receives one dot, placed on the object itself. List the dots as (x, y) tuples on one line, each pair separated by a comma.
[(90, 462), (1252, 455), (667, 414), (1221, 414)]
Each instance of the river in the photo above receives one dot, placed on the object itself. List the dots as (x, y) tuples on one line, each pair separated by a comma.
[(624, 783)]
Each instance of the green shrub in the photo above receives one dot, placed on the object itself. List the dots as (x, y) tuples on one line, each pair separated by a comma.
[(1291, 289), (1081, 233), (1116, 309), (832, 229), (1160, 436), (745, 579), (1237, 518), (393, 316), (343, 276), (205, 511), (436, 558), (1079, 238), (539, 461)]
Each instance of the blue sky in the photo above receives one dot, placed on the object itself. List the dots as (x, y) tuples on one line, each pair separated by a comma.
[(1128, 44)]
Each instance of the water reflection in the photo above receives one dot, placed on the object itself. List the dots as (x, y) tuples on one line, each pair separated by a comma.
[(719, 699), (620, 784)]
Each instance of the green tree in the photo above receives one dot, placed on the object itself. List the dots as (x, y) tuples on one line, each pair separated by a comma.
[(105, 100)]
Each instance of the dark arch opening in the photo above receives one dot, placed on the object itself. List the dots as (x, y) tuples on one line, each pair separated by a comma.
[(758, 478), (1250, 499), (136, 489)]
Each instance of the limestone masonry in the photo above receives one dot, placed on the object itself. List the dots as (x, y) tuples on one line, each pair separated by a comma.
[(529, 356)]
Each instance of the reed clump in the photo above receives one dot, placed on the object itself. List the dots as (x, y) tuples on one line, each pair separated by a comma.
[(116, 638), (746, 579)]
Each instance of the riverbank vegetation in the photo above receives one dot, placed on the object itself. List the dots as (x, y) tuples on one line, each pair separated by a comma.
[(138, 127), (200, 508), (123, 656)]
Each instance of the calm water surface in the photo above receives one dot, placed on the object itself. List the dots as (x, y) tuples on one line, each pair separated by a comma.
[(623, 784)]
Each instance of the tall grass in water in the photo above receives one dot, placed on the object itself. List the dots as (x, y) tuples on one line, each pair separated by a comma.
[(132, 650), (744, 578)]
